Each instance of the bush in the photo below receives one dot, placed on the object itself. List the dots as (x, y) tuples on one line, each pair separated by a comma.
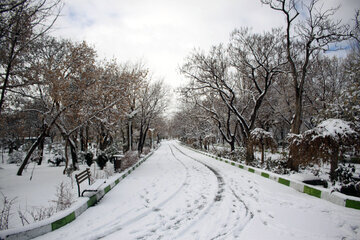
[(6, 212), (146, 150), (344, 174), (130, 158), (89, 158), (64, 199), (15, 157), (351, 189), (64, 196), (57, 161), (102, 160)]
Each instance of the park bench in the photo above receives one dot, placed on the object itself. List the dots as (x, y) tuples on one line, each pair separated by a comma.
[(81, 177)]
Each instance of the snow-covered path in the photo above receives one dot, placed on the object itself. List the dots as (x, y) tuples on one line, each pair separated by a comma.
[(180, 194)]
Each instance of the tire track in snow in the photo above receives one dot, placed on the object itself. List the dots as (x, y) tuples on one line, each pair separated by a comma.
[(187, 215), (221, 187), (117, 226)]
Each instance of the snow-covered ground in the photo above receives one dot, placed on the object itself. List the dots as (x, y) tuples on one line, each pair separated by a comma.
[(181, 194), (39, 193)]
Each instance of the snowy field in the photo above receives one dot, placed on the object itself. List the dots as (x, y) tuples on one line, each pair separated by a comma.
[(37, 195), (180, 194)]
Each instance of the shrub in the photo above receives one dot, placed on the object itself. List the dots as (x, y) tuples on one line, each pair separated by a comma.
[(89, 158), (102, 160), (15, 157), (344, 174), (146, 150), (59, 160), (129, 159), (327, 142), (64, 197), (5, 212), (259, 138), (351, 189)]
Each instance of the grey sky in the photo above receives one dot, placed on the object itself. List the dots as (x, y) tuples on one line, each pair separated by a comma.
[(161, 33)]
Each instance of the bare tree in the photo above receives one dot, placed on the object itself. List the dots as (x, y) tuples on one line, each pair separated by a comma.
[(214, 108), (241, 76), (22, 22), (152, 104), (307, 34)]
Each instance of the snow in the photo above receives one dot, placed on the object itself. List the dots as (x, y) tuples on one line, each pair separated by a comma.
[(334, 128), (304, 177), (180, 194), (259, 133), (40, 191)]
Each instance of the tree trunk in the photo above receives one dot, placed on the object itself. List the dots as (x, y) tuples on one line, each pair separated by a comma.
[(249, 152), (41, 150), (232, 145), (130, 138), (73, 153), (8, 71), (292, 163), (262, 154), (142, 139), (83, 139), (296, 122), (28, 155), (334, 164)]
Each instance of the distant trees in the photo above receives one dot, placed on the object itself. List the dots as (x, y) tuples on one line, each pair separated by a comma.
[(239, 76), (74, 96), (152, 103)]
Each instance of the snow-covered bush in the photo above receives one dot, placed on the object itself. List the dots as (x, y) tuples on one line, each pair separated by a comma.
[(15, 157), (325, 143), (146, 150), (237, 155), (277, 166), (259, 138), (344, 174), (64, 196), (5, 212), (129, 159), (38, 214), (64, 199)]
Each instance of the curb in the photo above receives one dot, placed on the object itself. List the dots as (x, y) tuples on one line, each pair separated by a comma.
[(325, 194), (62, 218)]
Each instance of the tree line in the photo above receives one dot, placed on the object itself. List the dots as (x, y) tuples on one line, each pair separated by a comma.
[(58, 88), (282, 81)]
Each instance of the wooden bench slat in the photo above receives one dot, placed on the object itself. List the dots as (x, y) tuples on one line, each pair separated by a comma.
[(81, 177)]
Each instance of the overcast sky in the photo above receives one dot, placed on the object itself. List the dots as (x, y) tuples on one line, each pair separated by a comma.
[(161, 33)]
